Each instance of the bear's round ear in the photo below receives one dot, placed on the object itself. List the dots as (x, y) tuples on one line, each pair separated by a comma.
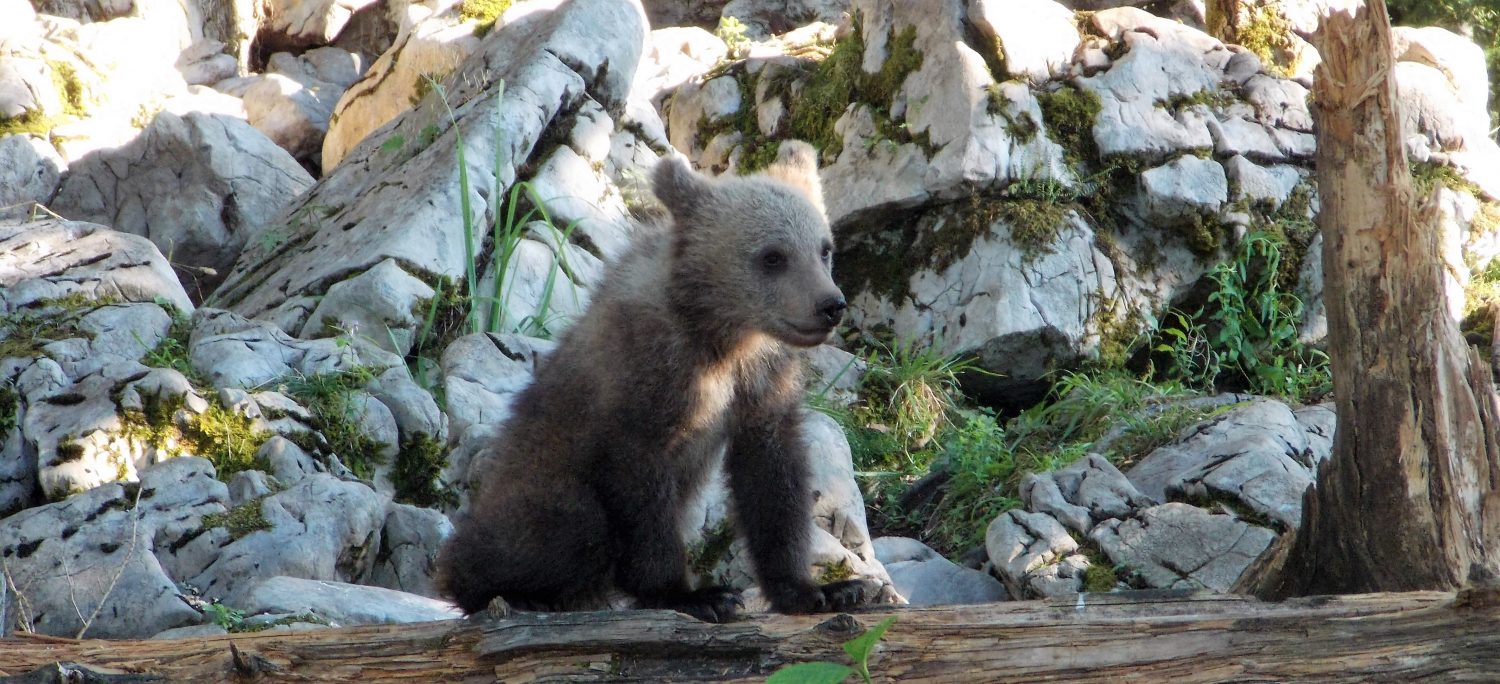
[(797, 165), (677, 185)]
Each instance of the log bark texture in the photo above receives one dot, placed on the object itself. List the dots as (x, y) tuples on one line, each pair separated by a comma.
[(1097, 638), (1411, 497)]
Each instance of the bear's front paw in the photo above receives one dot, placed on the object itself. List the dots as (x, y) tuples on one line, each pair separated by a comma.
[(709, 604), (845, 594), (806, 597)]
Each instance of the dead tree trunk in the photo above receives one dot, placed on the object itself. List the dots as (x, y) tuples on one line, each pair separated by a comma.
[(1092, 638), (1409, 499)]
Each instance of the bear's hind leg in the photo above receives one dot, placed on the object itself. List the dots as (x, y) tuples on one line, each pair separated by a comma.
[(651, 559), (530, 545)]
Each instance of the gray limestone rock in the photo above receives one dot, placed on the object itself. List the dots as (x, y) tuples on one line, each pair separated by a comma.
[(1177, 546), (30, 171), (200, 186), (551, 62), (287, 462), (898, 549), (1318, 426), (381, 304), (320, 528), (1183, 188), (409, 545), (482, 374), (1133, 120), (341, 603), (1037, 38), (1024, 546), (102, 547), (1257, 455), (938, 582), (52, 259), (1084, 493), (1271, 184)]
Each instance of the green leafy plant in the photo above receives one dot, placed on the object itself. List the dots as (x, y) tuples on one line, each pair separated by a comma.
[(823, 672), (231, 619), (522, 207), (910, 392), (732, 31), (1246, 334)]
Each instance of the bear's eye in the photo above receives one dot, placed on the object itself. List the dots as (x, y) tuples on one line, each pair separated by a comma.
[(772, 260), (827, 253)]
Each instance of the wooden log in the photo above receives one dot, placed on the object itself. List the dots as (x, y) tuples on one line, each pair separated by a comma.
[(1138, 636)]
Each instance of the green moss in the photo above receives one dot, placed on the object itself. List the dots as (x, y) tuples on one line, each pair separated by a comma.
[(485, 12), (240, 520), (172, 351), (938, 237), (1022, 128), (415, 473), (1117, 334), (37, 122), (834, 572), (225, 437), (839, 81), (329, 398), (1208, 97), (1426, 177), (1099, 578), (1203, 232), (154, 423), (1264, 31), (10, 410), (25, 332), (65, 79), (67, 452), (30, 122), (816, 93), (1069, 114), (1487, 219), (706, 555)]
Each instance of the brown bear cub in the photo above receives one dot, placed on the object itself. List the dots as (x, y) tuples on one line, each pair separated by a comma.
[(688, 347)]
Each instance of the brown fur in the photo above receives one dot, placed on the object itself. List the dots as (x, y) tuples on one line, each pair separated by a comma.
[(689, 346)]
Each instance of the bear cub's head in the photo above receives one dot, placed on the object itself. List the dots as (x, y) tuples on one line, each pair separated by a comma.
[(753, 251)]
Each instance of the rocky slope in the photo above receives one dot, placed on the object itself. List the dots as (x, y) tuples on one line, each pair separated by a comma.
[(268, 283)]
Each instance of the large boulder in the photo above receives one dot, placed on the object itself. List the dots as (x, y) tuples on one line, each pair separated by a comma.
[(397, 195), (199, 186), (89, 565)]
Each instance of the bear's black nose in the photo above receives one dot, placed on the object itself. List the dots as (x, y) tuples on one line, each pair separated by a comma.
[(832, 309)]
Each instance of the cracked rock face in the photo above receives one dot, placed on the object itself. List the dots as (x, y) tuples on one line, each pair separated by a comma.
[(397, 201), (1257, 455), (1029, 552), (301, 538), (1177, 546), (101, 549), (199, 186)]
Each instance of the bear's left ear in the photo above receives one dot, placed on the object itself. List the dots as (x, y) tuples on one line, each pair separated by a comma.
[(797, 165), (678, 186)]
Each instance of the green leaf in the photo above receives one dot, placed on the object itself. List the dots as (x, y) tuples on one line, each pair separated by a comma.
[(859, 647), (811, 673)]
